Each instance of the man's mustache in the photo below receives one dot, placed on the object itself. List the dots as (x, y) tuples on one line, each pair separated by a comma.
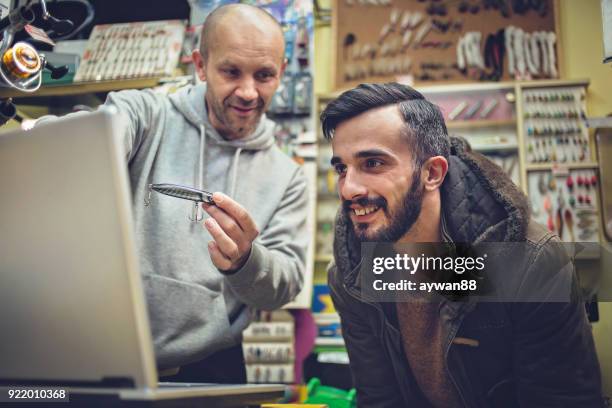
[(245, 104), (365, 202)]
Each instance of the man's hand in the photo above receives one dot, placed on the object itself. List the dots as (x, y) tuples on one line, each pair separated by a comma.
[(233, 231)]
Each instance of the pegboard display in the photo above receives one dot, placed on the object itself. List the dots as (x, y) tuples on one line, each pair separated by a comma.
[(566, 203), (486, 118), (131, 50), (443, 41), (554, 129), (474, 105)]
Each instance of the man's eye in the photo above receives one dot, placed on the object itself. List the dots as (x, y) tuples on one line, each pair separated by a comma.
[(373, 163), (264, 76), (340, 168), (231, 72)]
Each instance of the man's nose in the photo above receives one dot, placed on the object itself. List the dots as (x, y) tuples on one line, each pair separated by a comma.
[(247, 91), (351, 187)]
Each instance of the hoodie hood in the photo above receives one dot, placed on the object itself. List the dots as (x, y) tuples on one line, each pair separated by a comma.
[(190, 101)]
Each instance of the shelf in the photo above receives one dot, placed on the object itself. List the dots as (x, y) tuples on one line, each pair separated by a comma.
[(552, 83), (571, 166), (321, 221), (326, 318), (498, 147), (324, 258), (329, 341), (328, 196), (82, 88), (333, 355), (466, 87), (470, 124)]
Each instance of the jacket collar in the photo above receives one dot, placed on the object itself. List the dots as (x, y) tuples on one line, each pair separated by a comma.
[(480, 202)]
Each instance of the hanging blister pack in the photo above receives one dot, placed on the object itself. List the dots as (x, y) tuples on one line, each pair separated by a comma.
[(302, 88), (282, 101)]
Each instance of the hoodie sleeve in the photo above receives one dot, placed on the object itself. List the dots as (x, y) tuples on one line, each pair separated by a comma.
[(141, 111), (274, 273)]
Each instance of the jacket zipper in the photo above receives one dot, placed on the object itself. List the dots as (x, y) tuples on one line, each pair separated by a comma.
[(448, 371)]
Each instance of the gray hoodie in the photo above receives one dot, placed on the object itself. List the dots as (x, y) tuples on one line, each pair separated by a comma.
[(194, 309)]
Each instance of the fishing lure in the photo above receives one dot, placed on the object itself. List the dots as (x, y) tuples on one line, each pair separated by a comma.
[(185, 193)]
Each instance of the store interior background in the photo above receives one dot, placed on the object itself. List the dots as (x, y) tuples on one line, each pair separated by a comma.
[(580, 27), (581, 39)]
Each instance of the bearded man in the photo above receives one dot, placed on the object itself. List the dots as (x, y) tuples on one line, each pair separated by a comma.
[(403, 180)]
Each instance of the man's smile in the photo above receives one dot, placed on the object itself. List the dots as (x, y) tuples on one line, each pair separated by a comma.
[(364, 214), (241, 111)]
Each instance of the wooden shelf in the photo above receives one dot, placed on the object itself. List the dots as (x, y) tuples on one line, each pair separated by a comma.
[(324, 258), (549, 83), (82, 88), (466, 87), (470, 124), (498, 147), (571, 166)]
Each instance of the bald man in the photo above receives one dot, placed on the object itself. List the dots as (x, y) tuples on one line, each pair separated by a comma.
[(203, 279)]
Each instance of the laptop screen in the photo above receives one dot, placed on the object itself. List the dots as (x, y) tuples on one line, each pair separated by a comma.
[(71, 300)]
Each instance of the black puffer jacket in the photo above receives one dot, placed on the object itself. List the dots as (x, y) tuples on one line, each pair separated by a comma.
[(535, 354)]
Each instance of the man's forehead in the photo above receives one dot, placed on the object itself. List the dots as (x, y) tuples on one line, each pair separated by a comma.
[(242, 44), (232, 52), (380, 126), (257, 29), (385, 119)]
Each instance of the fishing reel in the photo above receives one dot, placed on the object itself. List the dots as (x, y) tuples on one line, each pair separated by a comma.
[(21, 65)]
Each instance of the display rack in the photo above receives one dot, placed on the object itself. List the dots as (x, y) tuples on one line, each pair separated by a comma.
[(386, 40), (504, 135)]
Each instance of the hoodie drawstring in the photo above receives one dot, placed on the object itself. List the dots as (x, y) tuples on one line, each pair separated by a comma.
[(231, 187), (197, 212), (235, 161), (201, 163)]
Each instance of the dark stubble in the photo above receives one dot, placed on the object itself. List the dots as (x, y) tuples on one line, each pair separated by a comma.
[(400, 221)]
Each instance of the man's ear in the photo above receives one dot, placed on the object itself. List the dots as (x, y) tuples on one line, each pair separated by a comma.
[(200, 64), (434, 172)]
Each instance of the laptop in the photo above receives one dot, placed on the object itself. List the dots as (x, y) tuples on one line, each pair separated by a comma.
[(72, 307)]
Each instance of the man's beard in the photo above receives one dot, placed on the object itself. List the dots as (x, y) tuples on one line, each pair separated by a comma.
[(221, 112), (400, 221)]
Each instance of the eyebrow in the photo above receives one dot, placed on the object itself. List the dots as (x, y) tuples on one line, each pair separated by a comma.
[(364, 154), (229, 63), (268, 69)]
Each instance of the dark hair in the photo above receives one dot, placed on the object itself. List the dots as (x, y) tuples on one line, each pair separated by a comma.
[(425, 128), (215, 17)]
